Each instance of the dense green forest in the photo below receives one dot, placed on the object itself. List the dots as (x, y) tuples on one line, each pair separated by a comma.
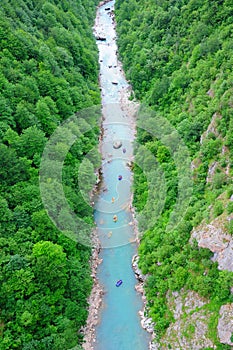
[(48, 71), (178, 55)]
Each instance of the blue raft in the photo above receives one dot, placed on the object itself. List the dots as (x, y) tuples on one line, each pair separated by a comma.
[(119, 283)]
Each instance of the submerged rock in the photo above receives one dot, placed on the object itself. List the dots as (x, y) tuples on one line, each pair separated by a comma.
[(100, 38), (117, 144)]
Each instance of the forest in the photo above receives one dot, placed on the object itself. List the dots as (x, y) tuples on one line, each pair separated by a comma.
[(48, 72), (178, 56)]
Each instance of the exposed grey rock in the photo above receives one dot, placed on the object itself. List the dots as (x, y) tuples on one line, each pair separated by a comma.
[(178, 305), (211, 171), (153, 346), (225, 258), (117, 144), (190, 329), (100, 38), (193, 301), (214, 236), (146, 322), (139, 288), (195, 163), (212, 127), (140, 277), (211, 236), (210, 93), (225, 324)]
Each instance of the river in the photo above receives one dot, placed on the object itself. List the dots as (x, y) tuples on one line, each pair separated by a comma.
[(119, 325)]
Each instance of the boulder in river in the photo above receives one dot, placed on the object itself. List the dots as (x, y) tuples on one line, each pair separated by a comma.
[(100, 38), (117, 144), (114, 82)]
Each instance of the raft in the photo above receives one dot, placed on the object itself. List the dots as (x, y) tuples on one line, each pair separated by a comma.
[(119, 283)]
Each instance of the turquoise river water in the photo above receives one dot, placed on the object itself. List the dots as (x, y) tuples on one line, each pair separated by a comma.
[(119, 325)]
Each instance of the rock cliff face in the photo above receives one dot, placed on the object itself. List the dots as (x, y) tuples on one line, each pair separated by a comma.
[(190, 327), (212, 127), (192, 317), (215, 237), (225, 324)]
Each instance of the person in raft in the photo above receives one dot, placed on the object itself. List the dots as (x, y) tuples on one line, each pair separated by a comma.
[(115, 218), (120, 177)]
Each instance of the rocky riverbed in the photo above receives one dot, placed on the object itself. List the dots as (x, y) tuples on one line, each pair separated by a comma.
[(146, 322), (95, 298)]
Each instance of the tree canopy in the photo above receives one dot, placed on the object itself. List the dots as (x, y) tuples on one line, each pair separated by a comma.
[(48, 72), (178, 57)]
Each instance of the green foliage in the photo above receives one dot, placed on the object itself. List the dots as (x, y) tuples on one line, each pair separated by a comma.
[(48, 62), (48, 71), (218, 208), (230, 208), (229, 227), (211, 148), (219, 180), (178, 57)]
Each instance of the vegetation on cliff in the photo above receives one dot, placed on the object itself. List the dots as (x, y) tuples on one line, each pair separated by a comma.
[(178, 55)]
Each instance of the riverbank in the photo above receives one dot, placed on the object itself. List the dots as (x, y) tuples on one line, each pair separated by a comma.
[(95, 298), (146, 322)]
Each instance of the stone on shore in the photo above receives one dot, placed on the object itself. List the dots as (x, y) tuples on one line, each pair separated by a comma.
[(140, 277), (146, 322)]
